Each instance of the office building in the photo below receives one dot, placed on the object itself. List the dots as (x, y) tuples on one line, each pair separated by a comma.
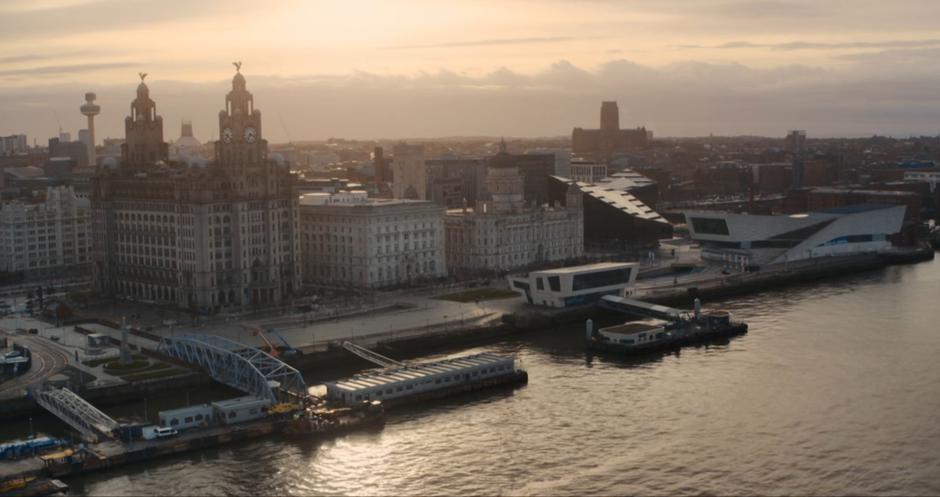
[(409, 179), (47, 239), (505, 232), (13, 145), (197, 236), (349, 239)]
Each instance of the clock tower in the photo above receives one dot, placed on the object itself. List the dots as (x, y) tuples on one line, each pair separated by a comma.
[(240, 143)]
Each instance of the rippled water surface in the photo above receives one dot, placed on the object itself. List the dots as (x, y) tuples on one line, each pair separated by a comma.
[(835, 390)]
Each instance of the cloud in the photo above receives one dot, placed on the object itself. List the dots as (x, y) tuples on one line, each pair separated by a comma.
[(70, 18), (17, 59), (683, 99), (809, 45), (493, 42), (66, 69)]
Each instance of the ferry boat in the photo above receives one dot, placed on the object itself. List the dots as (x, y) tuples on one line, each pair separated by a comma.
[(656, 334)]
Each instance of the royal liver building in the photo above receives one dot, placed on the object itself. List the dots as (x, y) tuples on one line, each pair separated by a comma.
[(196, 236)]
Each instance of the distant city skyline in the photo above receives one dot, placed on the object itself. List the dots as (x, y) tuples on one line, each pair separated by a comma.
[(527, 68)]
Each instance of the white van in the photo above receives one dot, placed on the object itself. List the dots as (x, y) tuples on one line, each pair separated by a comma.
[(152, 432), (163, 432)]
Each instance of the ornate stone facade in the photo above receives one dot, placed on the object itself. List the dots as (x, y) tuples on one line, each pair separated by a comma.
[(205, 238), (504, 234)]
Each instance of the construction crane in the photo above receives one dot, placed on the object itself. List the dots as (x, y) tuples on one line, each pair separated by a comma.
[(373, 357), (288, 350), (274, 351), (257, 331)]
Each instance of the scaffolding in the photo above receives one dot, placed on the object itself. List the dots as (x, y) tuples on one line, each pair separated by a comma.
[(237, 365), (77, 413)]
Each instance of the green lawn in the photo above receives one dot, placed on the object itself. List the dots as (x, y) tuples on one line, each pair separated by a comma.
[(93, 363), (479, 294), (117, 367), (153, 374)]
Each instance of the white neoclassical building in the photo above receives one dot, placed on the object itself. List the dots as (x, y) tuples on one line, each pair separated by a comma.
[(45, 239), (503, 234), (349, 239)]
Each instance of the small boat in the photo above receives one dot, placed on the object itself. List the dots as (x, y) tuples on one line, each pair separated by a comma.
[(657, 334)]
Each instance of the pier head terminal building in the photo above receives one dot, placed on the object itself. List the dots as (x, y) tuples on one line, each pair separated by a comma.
[(750, 241)]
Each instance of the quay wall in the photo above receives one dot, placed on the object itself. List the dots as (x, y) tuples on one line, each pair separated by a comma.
[(414, 343)]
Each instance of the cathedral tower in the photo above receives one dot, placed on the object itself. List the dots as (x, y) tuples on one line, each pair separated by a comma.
[(610, 116), (240, 142), (143, 131)]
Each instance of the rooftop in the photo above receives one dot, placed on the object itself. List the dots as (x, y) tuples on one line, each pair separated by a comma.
[(371, 379), (635, 327), (588, 267), (616, 193), (855, 209), (890, 193)]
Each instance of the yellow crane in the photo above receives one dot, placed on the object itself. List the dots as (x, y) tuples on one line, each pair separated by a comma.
[(257, 331)]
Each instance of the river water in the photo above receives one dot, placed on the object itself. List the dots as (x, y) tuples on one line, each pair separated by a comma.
[(835, 390)]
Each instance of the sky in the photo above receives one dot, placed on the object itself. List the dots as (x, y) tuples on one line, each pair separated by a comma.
[(523, 68)]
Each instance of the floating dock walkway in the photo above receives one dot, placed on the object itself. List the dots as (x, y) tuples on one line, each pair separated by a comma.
[(354, 404)]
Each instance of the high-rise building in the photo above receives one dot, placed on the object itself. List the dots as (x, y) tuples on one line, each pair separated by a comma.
[(795, 144), (13, 145), (409, 178), (562, 158), (198, 236), (90, 109), (534, 168), (383, 170), (601, 144), (455, 181), (76, 151)]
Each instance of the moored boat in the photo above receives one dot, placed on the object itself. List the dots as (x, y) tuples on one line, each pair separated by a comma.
[(657, 334)]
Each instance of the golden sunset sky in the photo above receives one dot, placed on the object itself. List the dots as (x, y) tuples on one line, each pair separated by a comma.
[(681, 67)]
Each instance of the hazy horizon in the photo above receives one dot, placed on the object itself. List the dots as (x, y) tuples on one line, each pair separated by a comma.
[(371, 70)]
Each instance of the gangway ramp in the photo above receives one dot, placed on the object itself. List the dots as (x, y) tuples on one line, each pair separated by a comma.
[(77, 413), (639, 308), (373, 357), (237, 365)]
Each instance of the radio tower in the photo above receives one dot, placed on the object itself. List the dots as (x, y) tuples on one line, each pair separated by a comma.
[(90, 109)]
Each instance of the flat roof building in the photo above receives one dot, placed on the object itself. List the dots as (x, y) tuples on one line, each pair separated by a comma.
[(743, 240), (575, 285), (349, 239)]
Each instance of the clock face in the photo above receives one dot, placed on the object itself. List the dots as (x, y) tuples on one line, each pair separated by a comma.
[(250, 134), (227, 135)]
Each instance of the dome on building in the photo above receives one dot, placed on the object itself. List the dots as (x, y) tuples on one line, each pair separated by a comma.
[(238, 82), (197, 162), (188, 142)]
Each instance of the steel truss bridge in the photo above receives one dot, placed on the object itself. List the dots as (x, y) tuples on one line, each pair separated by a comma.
[(237, 365), (77, 413)]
